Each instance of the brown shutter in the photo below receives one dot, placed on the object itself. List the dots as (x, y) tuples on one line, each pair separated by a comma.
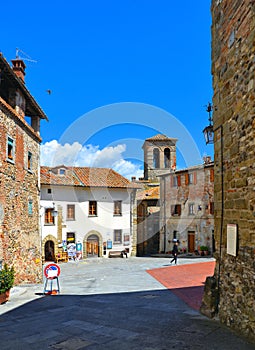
[(179, 180), (211, 175), (186, 179), (195, 177)]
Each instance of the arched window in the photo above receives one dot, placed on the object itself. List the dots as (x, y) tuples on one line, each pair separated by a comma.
[(167, 157), (156, 158)]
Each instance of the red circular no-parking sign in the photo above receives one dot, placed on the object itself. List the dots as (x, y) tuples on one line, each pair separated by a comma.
[(51, 271)]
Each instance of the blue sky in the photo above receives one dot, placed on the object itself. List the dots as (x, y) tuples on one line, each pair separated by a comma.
[(119, 72)]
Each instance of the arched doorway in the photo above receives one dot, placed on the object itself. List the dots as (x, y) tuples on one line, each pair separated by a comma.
[(92, 246), (49, 250)]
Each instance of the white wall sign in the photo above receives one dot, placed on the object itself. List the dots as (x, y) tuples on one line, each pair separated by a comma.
[(231, 239)]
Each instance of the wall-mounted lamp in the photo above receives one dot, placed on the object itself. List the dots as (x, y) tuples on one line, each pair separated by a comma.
[(54, 212), (208, 130)]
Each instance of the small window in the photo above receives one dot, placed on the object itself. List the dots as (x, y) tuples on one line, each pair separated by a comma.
[(175, 181), (93, 208), (49, 191), (191, 209), (70, 212), (10, 149), (176, 210), (30, 207), (62, 171), (29, 161), (211, 207), (117, 208), (48, 217), (117, 236)]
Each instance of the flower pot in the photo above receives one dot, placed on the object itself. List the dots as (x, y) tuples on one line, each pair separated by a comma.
[(4, 297)]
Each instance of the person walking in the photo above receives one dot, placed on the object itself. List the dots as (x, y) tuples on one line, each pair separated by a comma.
[(175, 253)]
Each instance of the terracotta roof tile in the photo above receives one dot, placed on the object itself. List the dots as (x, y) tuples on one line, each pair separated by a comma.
[(149, 193), (85, 176), (160, 137)]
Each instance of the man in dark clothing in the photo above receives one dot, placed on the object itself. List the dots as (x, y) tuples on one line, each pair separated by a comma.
[(175, 253)]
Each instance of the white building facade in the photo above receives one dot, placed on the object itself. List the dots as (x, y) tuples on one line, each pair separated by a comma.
[(89, 207)]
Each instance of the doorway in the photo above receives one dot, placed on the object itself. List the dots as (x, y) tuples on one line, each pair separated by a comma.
[(92, 246), (191, 241), (49, 251)]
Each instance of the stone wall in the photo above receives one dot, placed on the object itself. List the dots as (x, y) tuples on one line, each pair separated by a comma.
[(233, 65), (19, 229)]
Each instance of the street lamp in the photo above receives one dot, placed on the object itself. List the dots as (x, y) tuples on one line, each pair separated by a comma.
[(208, 130), (209, 139)]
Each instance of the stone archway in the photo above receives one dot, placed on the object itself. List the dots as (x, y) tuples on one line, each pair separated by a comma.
[(96, 236), (44, 242)]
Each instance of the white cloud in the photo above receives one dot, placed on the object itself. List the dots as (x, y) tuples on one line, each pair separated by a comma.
[(53, 153)]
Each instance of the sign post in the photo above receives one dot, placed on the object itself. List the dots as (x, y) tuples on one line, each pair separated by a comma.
[(51, 272)]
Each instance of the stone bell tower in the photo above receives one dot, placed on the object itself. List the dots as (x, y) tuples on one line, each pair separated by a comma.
[(159, 156)]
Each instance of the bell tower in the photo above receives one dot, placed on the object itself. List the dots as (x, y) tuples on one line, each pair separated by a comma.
[(159, 156)]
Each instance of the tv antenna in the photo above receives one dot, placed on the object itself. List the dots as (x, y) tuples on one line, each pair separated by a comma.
[(24, 56)]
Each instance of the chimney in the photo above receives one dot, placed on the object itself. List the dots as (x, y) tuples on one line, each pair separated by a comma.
[(18, 66)]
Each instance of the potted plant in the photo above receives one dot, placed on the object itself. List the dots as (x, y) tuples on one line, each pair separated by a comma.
[(204, 250), (6, 282)]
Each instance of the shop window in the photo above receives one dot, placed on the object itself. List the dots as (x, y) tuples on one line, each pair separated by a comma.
[(117, 208), (92, 208)]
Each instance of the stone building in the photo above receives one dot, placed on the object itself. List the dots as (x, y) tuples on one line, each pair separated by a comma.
[(231, 290), (20, 117), (187, 209)]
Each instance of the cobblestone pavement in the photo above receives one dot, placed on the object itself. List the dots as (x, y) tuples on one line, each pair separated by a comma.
[(113, 304)]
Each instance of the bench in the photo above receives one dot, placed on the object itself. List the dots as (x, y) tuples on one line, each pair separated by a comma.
[(117, 253), (61, 256)]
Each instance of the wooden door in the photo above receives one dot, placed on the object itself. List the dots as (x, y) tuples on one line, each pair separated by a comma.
[(191, 242)]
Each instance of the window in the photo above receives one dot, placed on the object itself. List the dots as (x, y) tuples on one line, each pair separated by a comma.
[(70, 212), (176, 210), (30, 207), (92, 208), (211, 207), (117, 236), (176, 181), (167, 157), (62, 171), (117, 208), (155, 158), (49, 191), (191, 209), (190, 178), (29, 161), (48, 217), (10, 149)]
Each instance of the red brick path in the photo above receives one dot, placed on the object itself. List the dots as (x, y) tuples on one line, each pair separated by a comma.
[(185, 281)]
